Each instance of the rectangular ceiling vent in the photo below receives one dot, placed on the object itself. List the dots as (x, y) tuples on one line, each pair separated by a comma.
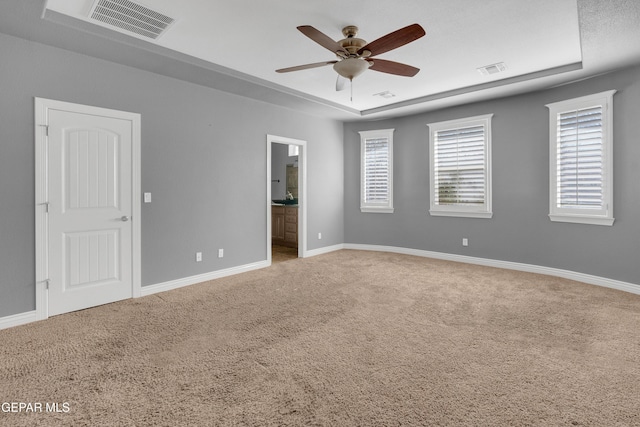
[(132, 17), (385, 94), (492, 69)]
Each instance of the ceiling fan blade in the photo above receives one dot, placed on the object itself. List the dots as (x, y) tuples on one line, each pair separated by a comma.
[(340, 83), (394, 40), (305, 66), (392, 67), (321, 38)]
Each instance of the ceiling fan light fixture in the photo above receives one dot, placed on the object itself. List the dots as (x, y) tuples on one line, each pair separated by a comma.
[(350, 68)]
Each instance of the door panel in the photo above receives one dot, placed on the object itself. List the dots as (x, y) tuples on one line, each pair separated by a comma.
[(91, 258), (92, 168), (90, 235)]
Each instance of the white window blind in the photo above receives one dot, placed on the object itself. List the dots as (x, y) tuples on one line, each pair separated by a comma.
[(377, 171), (460, 167), (580, 160)]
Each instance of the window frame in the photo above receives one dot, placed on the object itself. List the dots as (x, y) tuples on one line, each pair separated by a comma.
[(465, 211), (371, 207), (603, 216)]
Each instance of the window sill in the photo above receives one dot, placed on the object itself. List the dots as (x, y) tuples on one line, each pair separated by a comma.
[(580, 219), (461, 214), (368, 209)]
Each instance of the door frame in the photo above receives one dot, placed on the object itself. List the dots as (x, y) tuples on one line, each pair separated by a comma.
[(302, 193), (42, 108)]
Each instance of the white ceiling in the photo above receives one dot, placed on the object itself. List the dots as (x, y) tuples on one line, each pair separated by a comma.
[(542, 43)]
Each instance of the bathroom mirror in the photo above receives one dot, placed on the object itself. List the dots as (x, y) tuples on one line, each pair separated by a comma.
[(292, 179)]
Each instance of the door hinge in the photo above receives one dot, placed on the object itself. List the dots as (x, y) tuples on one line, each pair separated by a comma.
[(46, 207), (46, 129), (46, 283)]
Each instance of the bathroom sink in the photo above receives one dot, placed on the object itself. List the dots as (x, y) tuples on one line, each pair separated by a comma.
[(286, 202)]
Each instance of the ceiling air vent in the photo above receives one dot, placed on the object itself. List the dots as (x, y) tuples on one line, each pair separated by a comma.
[(132, 17), (492, 69), (385, 94)]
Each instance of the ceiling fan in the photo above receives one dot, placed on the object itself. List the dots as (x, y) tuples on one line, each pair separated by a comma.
[(355, 55)]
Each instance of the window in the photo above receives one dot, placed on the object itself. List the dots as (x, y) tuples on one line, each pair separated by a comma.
[(580, 159), (376, 194), (460, 162)]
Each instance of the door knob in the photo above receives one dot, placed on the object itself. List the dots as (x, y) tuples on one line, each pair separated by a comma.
[(124, 218)]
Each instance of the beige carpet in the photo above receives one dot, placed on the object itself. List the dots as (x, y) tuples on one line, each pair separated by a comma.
[(344, 339)]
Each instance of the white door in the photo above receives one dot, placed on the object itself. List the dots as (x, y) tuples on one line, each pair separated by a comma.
[(89, 182)]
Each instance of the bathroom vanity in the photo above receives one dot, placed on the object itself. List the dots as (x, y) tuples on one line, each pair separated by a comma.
[(284, 225)]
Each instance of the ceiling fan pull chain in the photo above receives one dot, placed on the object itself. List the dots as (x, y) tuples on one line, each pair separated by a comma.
[(351, 86)]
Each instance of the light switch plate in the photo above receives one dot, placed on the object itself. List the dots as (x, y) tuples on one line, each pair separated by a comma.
[(147, 197)]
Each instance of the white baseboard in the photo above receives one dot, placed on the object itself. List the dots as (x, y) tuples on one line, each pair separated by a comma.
[(566, 274), (192, 280), (323, 250), (18, 319)]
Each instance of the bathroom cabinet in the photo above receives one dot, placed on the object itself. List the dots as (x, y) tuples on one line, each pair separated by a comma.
[(284, 225)]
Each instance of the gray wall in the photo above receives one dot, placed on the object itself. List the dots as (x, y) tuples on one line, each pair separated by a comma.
[(520, 230), (203, 159)]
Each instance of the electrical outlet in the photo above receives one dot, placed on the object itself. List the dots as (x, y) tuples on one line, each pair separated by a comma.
[(465, 241), (220, 253), (198, 256), (319, 236)]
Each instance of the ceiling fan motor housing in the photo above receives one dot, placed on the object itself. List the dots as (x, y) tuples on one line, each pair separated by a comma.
[(351, 43)]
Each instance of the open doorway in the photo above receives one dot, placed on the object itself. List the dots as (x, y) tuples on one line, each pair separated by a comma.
[(286, 198)]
